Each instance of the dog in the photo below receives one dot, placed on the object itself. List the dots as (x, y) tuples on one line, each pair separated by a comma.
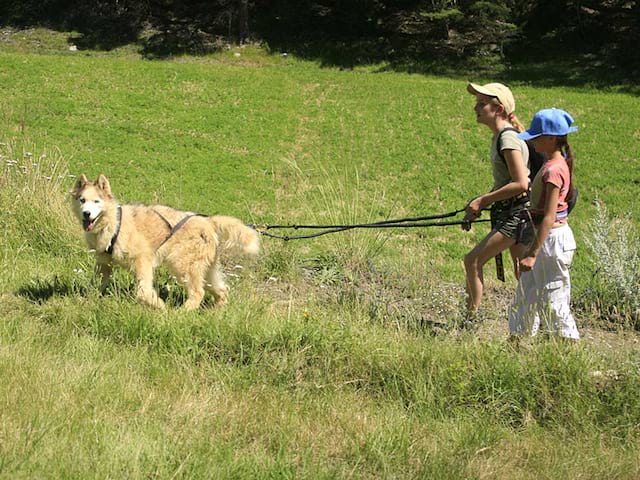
[(141, 237)]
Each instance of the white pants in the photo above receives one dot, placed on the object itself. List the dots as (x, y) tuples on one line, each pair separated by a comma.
[(543, 294)]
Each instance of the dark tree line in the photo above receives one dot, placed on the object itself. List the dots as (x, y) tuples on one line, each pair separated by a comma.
[(359, 30)]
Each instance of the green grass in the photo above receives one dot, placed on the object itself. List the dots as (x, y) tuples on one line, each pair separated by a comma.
[(325, 364), (256, 141)]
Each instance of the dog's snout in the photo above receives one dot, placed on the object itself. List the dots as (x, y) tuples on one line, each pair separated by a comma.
[(86, 215)]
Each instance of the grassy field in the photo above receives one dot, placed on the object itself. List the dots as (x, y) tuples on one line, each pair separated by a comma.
[(334, 358)]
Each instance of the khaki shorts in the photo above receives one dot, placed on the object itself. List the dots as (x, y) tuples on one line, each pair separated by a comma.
[(512, 219)]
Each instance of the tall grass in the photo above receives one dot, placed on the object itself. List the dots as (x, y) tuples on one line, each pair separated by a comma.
[(330, 198), (36, 219)]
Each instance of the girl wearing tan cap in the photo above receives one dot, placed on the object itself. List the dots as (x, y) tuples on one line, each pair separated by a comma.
[(508, 197)]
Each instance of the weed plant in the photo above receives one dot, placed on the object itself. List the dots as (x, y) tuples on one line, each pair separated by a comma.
[(615, 286)]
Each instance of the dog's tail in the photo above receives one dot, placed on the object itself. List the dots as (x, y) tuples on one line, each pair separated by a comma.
[(235, 235)]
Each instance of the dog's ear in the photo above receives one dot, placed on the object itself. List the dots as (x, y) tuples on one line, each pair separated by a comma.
[(80, 184), (103, 184)]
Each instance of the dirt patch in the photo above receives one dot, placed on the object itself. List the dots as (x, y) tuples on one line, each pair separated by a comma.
[(426, 306)]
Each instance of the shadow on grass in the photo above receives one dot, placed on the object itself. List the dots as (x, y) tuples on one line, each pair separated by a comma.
[(96, 41), (553, 70), (544, 68), (173, 40), (40, 290), (579, 71)]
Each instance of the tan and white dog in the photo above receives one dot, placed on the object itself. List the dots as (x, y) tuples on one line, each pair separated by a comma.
[(142, 237)]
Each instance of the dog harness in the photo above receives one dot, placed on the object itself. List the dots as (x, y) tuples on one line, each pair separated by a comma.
[(172, 229), (114, 239), (177, 226)]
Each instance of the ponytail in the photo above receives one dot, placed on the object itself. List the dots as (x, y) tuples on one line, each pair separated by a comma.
[(565, 148), (511, 118), (515, 121)]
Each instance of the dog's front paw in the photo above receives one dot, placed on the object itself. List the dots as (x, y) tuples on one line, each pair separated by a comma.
[(152, 300), (191, 304), (220, 301)]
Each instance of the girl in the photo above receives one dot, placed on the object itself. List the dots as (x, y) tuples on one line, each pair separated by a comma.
[(544, 287), (508, 198)]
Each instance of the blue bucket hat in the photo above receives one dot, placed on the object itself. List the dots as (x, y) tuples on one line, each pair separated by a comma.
[(550, 121)]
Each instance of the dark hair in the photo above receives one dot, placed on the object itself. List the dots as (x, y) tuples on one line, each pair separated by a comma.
[(567, 152)]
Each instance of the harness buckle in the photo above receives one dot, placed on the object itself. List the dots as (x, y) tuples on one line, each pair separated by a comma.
[(516, 200)]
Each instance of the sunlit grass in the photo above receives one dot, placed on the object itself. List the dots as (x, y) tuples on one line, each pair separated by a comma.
[(326, 362)]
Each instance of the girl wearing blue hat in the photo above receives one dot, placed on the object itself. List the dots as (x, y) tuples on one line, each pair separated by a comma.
[(544, 288), (508, 199)]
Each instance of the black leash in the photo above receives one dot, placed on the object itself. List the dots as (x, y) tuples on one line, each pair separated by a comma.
[(397, 223)]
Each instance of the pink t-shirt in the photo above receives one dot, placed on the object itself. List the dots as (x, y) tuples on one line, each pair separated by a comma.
[(555, 172)]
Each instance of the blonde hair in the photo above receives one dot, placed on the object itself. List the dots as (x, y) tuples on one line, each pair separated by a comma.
[(515, 121), (511, 117)]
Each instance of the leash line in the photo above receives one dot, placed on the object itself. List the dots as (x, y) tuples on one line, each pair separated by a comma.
[(404, 223), (397, 222)]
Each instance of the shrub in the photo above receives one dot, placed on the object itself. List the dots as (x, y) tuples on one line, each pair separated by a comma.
[(614, 293)]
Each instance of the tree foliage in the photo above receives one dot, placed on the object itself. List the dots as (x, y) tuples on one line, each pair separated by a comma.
[(365, 29)]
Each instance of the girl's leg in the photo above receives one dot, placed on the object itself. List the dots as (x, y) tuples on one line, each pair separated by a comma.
[(517, 251), (494, 243)]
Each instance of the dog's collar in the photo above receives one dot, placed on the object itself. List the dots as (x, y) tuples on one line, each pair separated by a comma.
[(112, 243)]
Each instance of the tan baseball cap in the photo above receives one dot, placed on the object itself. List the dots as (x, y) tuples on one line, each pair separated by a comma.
[(496, 90)]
